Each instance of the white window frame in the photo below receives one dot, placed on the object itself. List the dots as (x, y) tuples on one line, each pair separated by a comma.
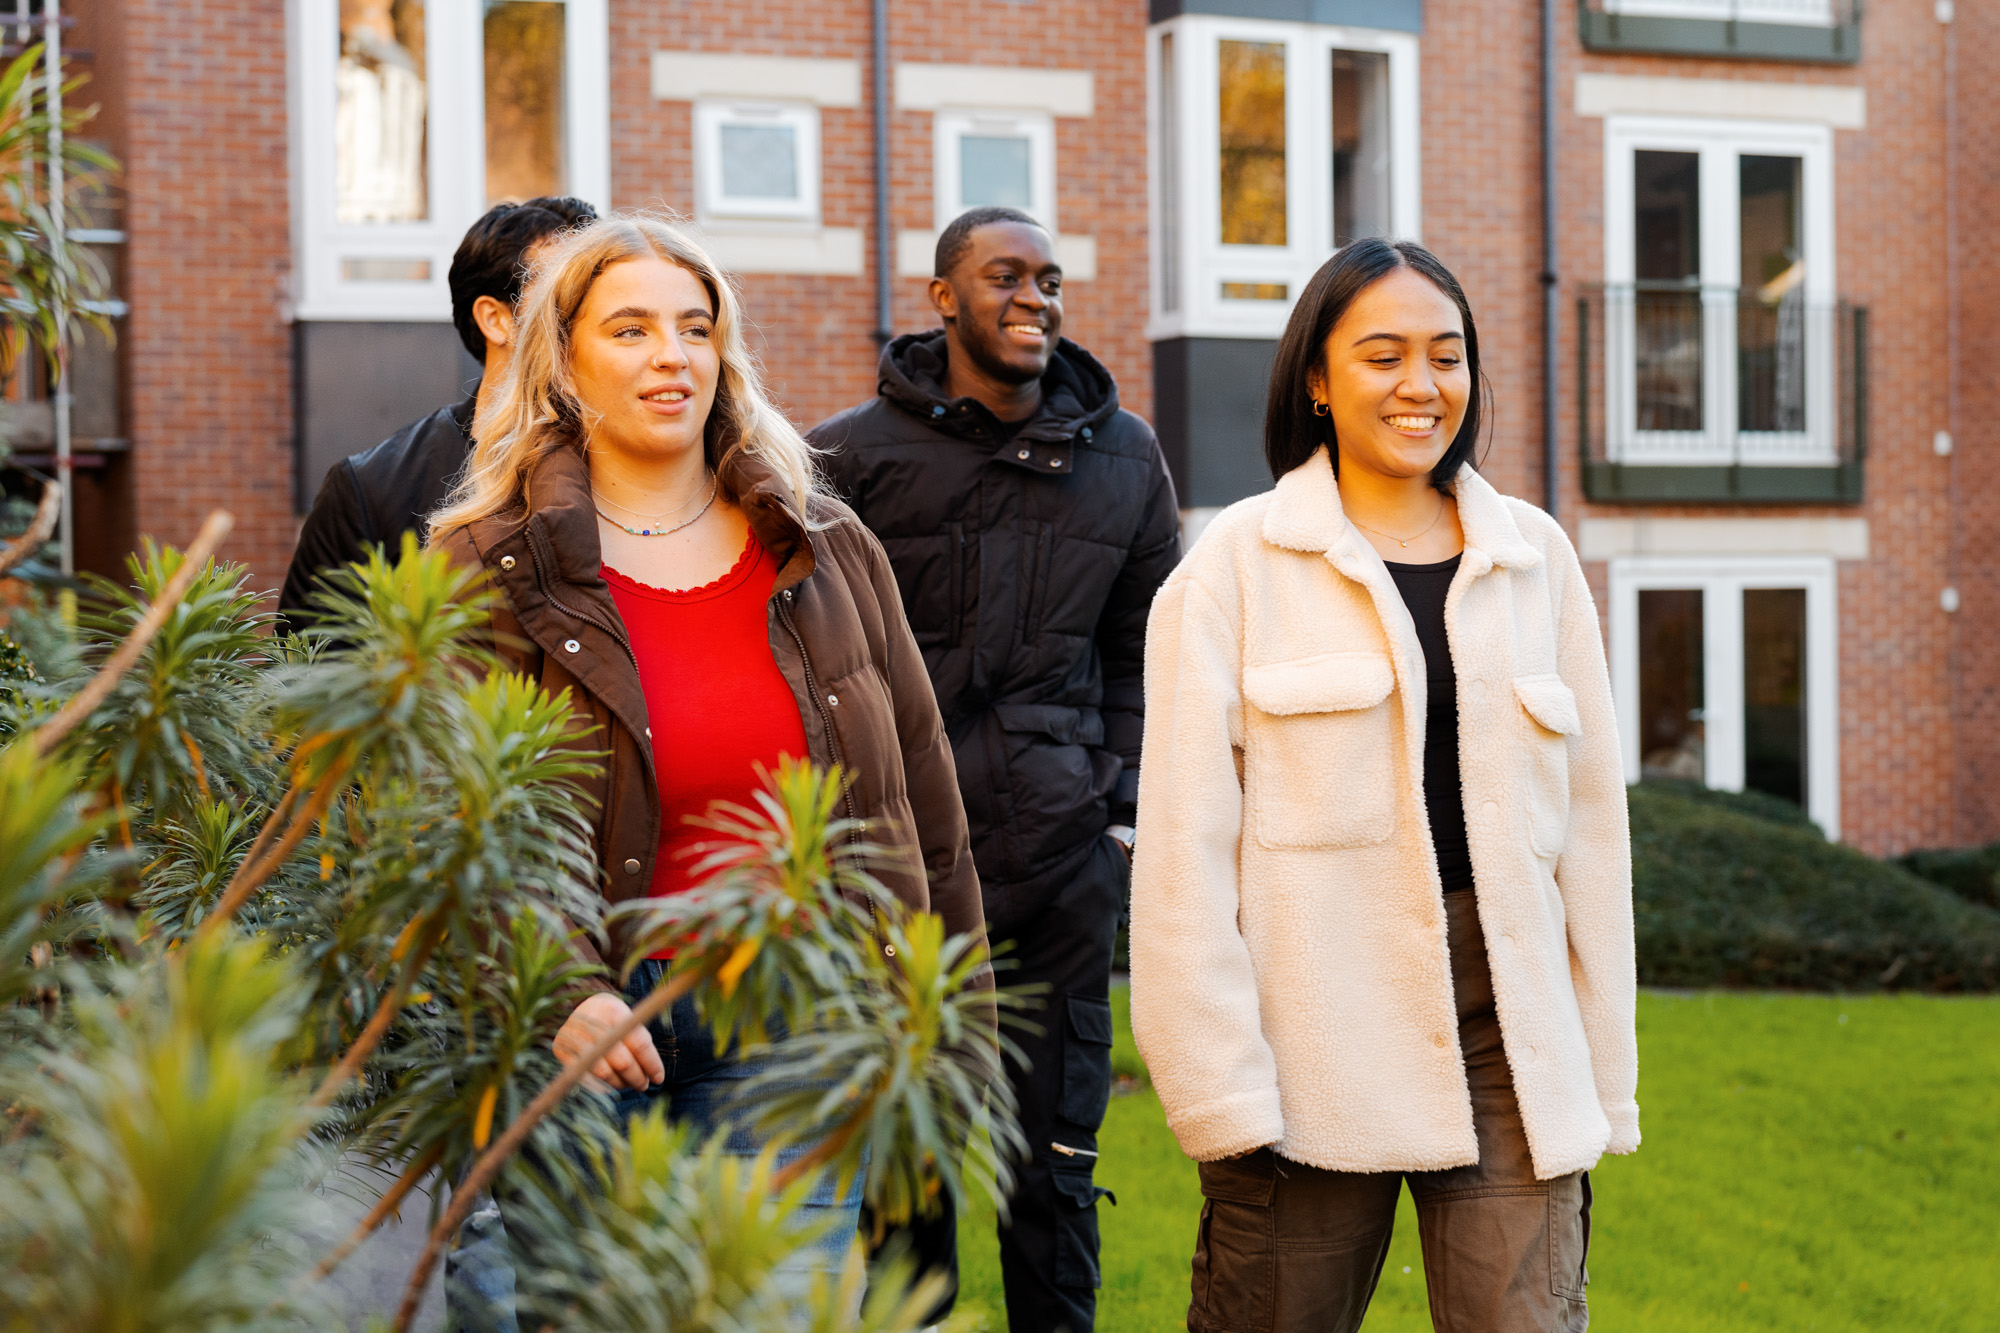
[(1722, 581), (712, 203), (1803, 13), (950, 125), (455, 152), (1200, 260), (1720, 144)]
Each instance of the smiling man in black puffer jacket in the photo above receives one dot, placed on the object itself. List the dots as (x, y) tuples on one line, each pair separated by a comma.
[(1029, 520)]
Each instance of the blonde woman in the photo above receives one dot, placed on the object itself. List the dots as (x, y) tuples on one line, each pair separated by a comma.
[(663, 552), (1381, 910)]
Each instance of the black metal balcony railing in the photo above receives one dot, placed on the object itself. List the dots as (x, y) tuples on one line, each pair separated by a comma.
[(1712, 394), (1811, 31)]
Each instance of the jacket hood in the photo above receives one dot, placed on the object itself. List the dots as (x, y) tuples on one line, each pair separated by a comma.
[(1077, 391)]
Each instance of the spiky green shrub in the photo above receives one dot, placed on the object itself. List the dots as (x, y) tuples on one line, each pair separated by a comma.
[(276, 904)]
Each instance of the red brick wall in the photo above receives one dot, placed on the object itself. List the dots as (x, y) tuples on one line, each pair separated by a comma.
[(209, 250), (817, 331), (1974, 467)]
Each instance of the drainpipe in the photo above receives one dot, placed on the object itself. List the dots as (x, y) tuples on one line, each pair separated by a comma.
[(58, 226), (884, 242), (1550, 480)]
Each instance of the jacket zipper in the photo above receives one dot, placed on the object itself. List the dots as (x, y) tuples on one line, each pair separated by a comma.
[(833, 747)]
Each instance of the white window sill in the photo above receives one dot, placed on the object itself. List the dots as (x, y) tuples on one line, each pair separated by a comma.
[(744, 248)]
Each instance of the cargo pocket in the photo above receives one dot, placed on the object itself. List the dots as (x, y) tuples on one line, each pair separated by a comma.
[(1076, 1226), (1552, 720), (1086, 1080), (1569, 1235), (1319, 750), (1235, 1253)]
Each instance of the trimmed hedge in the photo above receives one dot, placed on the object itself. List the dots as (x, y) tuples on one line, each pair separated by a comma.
[(1728, 892), (1973, 873)]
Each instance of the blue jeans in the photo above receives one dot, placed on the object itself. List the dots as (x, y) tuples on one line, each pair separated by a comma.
[(699, 1089)]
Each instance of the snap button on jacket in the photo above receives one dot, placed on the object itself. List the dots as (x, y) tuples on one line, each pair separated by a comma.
[(1290, 982)]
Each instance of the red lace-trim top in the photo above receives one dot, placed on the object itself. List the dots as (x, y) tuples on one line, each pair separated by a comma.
[(716, 702)]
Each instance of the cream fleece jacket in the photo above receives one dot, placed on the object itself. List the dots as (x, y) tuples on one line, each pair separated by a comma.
[(1290, 978)]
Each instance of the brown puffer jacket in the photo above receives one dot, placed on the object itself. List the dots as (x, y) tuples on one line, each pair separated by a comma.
[(837, 633)]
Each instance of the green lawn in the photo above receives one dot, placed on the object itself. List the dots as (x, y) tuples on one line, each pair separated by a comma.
[(1811, 1162)]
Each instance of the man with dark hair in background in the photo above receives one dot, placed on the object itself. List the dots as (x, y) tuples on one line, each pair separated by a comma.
[(1029, 520), (372, 498)]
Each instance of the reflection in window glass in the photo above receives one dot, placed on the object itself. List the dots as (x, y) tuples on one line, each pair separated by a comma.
[(1771, 315), (1360, 145), (760, 162), (1667, 333), (1672, 732), (1774, 693), (1253, 142), (380, 115), (524, 100), (994, 171)]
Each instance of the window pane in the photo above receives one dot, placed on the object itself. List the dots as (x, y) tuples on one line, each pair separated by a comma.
[(1360, 145), (1667, 324), (524, 100), (1771, 316), (1774, 693), (1671, 684), (1253, 143), (760, 162), (380, 116), (995, 170)]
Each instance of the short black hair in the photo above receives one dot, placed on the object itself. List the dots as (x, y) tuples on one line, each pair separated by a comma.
[(956, 238), (1293, 432), (489, 259)]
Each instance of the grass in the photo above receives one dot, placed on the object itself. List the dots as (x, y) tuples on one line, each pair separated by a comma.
[(1811, 1162)]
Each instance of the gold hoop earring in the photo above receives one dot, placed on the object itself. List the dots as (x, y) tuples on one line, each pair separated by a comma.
[(1320, 409)]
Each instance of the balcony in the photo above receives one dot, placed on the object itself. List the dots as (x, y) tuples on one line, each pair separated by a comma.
[(1720, 395), (1821, 32)]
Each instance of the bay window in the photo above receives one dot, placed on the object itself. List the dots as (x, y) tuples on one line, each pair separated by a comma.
[(412, 117), (1273, 143)]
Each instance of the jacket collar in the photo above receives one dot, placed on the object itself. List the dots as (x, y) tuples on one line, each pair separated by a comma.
[(1305, 515), (556, 506), (1078, 397)]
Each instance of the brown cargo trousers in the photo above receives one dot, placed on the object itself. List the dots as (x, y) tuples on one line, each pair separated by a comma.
[(1287, 1248)]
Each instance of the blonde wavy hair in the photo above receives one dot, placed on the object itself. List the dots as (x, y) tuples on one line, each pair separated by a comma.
[(535, 408)]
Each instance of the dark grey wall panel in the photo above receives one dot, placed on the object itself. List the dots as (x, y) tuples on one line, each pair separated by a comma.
[(1398, 15), (1208, 407), (360, 383)]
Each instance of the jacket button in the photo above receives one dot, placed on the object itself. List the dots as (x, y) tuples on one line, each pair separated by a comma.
[(833, 700), (889, 949), (632, 866), (788, 594), (1022, 454), (572, 646), (938, 410), (1055, 462), (1086, 432), (506, 562)]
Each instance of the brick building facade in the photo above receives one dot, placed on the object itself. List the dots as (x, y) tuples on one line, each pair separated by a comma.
[(1771, 426)]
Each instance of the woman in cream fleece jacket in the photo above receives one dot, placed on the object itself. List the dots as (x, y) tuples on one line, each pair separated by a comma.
[(1318, 1013)]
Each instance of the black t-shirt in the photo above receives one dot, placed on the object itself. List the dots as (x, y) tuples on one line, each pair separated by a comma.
[(1423, 588)]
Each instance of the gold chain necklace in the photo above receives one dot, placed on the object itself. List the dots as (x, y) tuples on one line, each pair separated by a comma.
[(1403, 542)]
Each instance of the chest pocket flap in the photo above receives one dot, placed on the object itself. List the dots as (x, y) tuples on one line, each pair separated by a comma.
[(1549, 702), (1327, 683), (1318, 767)]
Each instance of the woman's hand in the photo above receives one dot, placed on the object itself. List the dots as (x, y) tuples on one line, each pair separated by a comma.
[(632, 1063)]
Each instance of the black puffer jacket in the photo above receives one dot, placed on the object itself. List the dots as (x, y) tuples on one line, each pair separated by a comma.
[(1027, 564)]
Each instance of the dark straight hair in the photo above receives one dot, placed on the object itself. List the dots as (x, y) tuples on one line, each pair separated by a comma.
[(1293, 432)]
